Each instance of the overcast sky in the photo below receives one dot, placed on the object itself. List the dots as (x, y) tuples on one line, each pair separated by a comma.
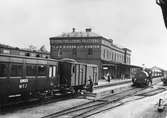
[(135, 24)]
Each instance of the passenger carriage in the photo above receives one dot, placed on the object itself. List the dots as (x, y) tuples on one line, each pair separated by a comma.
[(25, 76)]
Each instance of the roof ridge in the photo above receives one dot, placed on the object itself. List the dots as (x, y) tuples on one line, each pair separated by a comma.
[(79, 34)]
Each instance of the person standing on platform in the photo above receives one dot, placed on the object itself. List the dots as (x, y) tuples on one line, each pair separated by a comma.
[(150, 77), (90, 85), (108, 78)]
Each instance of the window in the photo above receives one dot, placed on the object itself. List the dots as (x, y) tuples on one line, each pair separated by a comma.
[(27, 54), (107, 54), (37, 55), (73, 69), (54, 71), (50, 71), (5, 51), (3, 70), (30, 70), (90, 51), (17, 70), (42, 70), (104, 53), (74, 51), (60, 52)]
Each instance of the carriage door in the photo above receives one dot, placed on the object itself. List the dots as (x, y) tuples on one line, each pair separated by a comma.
[(95, 77), (81, 79)]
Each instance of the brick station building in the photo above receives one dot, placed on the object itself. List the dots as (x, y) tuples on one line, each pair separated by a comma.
[(89, 47)]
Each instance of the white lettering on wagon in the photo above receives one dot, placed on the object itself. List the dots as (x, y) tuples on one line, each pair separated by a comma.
[(23, 83), (23, 86), (23, 80)]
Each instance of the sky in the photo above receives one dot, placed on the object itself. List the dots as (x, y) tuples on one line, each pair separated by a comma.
[(135, 24)]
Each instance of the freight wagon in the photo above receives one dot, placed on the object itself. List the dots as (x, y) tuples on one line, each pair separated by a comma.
[(76, 76)]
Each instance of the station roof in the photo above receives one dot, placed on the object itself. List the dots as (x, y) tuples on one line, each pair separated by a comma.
[(85, 34), (107, 63), (131, 66), (75, 34)]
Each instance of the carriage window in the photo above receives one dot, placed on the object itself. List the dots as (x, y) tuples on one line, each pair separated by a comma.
[(42, 70), (74, 70), (3, 70), (17, 70), (50, 71), (54, 71), (30, 70)]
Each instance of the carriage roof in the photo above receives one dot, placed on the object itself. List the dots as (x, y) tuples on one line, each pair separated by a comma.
[(25, 59)]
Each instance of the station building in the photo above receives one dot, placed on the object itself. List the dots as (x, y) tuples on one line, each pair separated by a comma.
[(9, 50), (89, 47)]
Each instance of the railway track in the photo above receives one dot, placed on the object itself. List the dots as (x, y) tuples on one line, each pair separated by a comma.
[(106, 103), (34, 102)]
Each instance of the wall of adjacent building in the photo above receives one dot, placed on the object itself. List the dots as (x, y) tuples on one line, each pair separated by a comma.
[(21, 52)]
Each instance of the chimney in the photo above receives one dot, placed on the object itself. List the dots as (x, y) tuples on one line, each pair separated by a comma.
[(73, 29), (88, 29)]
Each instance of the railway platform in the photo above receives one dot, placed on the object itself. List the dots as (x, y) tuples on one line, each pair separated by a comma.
[(105, 88), (113, 82)]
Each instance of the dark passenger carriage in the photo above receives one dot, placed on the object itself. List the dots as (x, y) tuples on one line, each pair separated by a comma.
[(25, 76)]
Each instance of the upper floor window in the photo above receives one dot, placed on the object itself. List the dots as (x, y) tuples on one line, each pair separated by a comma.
[(90, 51), (112, 54), (60, 52), (74, 51), (107, 54), (104, 53)]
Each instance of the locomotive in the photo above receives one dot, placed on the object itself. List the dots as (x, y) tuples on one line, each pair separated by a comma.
[(141, 78), (24, 77)]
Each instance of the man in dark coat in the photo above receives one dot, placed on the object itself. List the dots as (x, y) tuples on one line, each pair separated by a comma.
[(90, 85)]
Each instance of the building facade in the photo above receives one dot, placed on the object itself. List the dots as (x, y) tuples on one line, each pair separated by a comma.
[(89, 47), (9, 50)]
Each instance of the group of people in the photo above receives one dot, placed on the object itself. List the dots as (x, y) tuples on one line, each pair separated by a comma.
[(107, 77)]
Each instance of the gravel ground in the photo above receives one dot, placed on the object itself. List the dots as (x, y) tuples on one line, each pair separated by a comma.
[(43, 110), (143, 108)]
